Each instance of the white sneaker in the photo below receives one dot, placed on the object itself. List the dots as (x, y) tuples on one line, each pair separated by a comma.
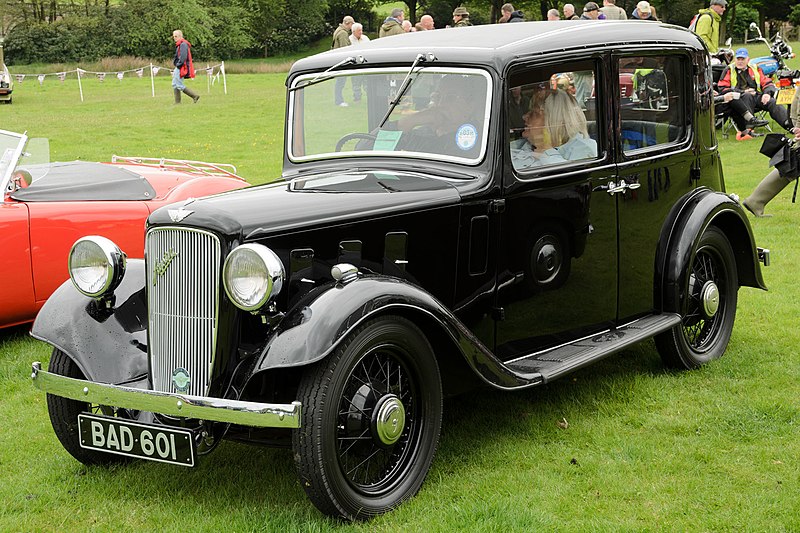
[(343, 104)]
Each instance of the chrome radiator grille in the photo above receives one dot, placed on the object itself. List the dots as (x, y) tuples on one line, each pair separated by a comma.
[(183, 278)]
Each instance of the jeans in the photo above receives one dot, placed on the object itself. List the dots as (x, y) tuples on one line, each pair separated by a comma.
[(177, 81), (338, 88)]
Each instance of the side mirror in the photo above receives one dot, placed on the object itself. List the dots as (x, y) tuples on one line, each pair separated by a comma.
[(21, 179)]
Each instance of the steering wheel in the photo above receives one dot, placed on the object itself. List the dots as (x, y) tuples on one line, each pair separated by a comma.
[(356, 135)]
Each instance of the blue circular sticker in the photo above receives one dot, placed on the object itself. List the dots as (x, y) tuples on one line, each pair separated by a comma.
[(466, 136)]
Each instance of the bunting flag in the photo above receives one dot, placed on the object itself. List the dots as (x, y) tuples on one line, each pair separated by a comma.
[(101, 76), (209, 71), (120, 75), (20, 77), (155, 70), (61, 76), (40, 77), (140, 72)]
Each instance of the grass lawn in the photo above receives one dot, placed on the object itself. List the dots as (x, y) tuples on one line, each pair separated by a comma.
[(645, 449)]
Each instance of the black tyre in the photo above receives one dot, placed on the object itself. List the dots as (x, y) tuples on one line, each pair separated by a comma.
[(709, 302), (64, 415), (372, 414)]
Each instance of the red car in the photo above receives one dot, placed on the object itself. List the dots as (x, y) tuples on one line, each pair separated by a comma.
[(46, 207)]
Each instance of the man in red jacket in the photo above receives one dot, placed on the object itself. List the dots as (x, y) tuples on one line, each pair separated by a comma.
[(183, 67), (756, 91)]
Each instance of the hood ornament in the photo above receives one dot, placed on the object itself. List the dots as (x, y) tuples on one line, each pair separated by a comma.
[(176, 215)]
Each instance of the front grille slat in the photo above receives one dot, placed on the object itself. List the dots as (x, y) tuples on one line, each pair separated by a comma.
[(183, 301)]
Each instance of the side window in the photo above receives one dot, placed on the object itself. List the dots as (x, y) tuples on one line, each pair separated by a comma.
[(652, 102), (552, 116)]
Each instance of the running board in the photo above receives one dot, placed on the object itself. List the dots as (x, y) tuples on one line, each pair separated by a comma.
[(555, 362)]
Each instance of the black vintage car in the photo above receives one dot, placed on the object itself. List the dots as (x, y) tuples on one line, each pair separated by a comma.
[(492, 206)]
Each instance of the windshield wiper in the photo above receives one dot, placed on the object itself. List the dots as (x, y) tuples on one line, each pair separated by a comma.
[(406, 84), (349, 60)]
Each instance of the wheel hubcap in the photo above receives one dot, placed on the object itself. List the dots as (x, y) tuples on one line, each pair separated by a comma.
[(548, 259), (389, 419), (710, 299)]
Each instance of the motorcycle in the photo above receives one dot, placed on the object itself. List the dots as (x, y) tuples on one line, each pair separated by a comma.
[(774, 65)]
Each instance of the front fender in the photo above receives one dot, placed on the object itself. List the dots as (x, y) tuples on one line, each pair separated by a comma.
[(109, 345), (680, 235), (315, 327)]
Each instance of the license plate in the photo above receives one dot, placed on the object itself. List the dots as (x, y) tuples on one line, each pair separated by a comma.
[(134, 439), (785, 96)]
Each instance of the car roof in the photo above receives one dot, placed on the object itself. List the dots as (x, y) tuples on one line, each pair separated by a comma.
[(498, 44)]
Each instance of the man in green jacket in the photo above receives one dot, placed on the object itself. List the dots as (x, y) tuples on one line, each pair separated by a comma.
[(393, 25), (707, 25)]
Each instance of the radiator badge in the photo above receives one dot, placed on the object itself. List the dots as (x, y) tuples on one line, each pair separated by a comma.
[(181, 380), (163, 264)]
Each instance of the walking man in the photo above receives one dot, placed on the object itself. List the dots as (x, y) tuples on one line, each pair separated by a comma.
[(184, 68), (707, 24)]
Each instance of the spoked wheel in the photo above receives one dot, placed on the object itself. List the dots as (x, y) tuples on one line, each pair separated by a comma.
[(371, 420), (64, 415), (710, 306)]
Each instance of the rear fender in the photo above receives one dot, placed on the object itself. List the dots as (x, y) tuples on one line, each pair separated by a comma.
[(316, 326), (109, 345), (680, 236)]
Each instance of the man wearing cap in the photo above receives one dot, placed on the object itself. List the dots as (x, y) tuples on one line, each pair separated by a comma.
[(590, 11), (643, 11), (461, 17), (707, 24), (756, 91)]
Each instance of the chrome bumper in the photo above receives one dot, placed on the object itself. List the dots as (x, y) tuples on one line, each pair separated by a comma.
[(271, 415)]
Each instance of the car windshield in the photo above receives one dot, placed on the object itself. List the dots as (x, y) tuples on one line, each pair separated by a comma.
[(10, 148), (441, 114), (19, 153)]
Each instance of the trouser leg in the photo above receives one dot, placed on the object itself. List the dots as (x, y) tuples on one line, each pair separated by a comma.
[(765, 191), (191, 94), (338, 88), (778, 113)]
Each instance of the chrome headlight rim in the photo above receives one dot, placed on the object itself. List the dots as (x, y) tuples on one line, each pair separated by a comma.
[(115, 263), (273, 272)]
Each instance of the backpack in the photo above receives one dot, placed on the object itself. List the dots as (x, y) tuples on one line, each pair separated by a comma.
[(693, 24)]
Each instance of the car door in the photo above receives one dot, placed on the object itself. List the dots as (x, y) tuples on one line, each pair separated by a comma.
[(16, 298), (557, 262), (656, 153)]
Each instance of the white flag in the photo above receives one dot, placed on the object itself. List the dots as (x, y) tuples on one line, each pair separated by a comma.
[(155, 70), (140, 72), (40, 77), (61, 76), (20, 77), (101, 76), (120, 75)]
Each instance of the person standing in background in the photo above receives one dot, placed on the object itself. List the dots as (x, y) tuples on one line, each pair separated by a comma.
[(612, 12), (393, 25), (644, 11), (569, 12), (707, 24), (357, 38), (426, 22), (341, 38), (509, 14), (184, 68), (552, 14), (461, 17), (591, 11)]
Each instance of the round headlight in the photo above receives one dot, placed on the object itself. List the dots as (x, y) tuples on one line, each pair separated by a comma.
[(252, 275), (96, 265)]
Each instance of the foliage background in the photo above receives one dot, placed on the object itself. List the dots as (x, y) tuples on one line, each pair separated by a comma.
[(54, 31)]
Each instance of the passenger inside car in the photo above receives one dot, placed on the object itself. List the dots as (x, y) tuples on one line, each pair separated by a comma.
[(556, 132)]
